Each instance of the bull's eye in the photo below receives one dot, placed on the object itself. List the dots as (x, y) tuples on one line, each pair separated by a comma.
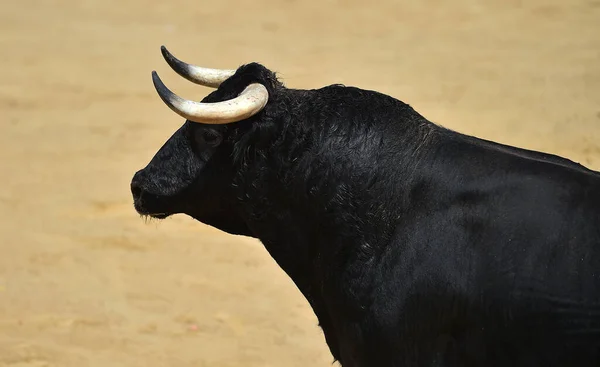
[(208, 137)]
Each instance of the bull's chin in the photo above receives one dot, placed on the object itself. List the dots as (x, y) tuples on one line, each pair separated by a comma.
[(158, 215), (155, 214)]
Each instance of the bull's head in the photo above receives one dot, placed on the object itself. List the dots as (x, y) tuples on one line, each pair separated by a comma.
[(193, 172)]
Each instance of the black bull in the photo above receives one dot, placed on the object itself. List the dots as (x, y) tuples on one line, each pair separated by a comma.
[(415, 245)]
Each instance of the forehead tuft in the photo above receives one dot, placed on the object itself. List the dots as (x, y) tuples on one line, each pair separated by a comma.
[(244, 76)]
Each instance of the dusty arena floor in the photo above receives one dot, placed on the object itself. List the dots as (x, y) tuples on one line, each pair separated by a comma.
[(85, 282)]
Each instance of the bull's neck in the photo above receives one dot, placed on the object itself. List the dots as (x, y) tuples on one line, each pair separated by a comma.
[(315, 213)]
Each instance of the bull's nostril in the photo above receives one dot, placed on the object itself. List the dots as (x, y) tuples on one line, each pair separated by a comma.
[(136, 190)]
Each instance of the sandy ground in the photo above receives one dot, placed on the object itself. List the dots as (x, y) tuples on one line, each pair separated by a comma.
[(85, 282)]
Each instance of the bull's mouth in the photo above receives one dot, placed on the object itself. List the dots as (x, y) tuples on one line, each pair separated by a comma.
[(150, 205), (155, 215)]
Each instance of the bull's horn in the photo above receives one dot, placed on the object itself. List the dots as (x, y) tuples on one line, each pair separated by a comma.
[(251, 101), (196, 74)]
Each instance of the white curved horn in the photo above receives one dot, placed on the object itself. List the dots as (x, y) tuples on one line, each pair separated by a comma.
[(248, 103), (196, 74)]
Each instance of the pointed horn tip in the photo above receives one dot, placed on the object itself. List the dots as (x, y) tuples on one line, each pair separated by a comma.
[(166, 54), (160, 87)]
